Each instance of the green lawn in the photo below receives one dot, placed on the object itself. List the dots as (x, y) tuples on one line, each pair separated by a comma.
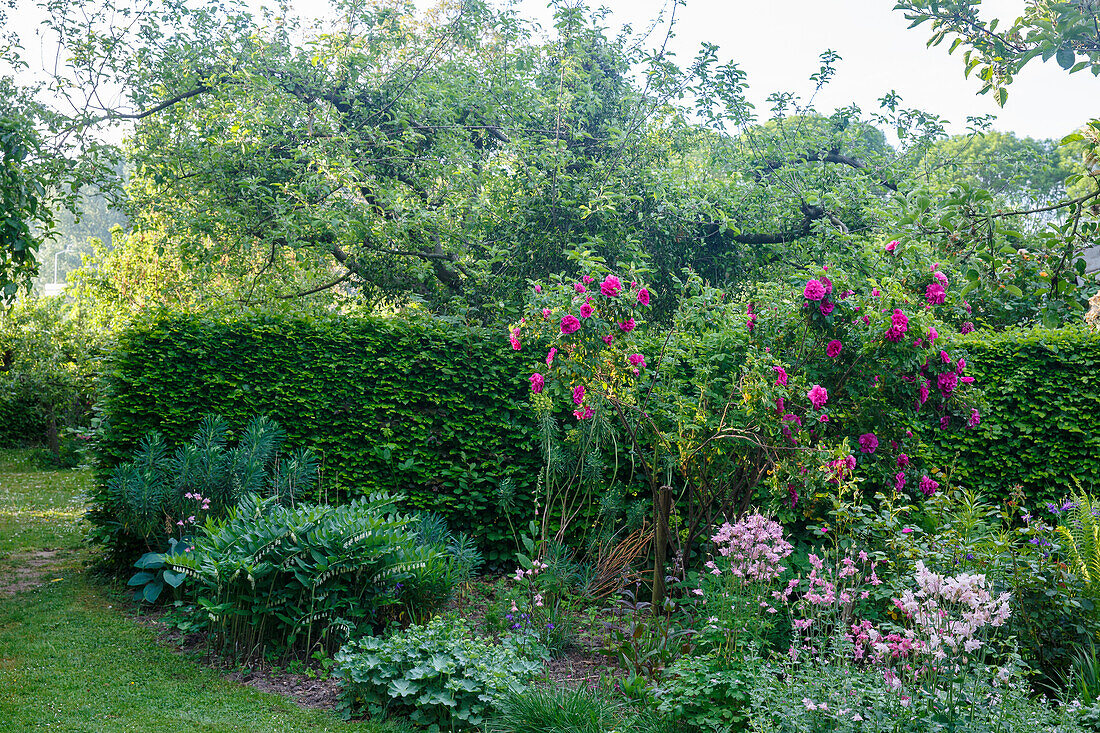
[(70, 660)]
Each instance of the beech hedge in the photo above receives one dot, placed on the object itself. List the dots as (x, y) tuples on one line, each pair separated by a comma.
[(1040, 427), (437, 413)]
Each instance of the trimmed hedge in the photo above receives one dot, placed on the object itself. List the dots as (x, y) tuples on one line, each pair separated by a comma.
[(1041, 424), (434, 412)]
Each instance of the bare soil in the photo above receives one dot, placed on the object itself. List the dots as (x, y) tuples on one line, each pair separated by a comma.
[(28, 570)]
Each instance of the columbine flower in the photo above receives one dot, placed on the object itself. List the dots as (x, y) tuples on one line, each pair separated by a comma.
[(611, 286), (834, 348), (814, 290), (537, 382), (818, 396)]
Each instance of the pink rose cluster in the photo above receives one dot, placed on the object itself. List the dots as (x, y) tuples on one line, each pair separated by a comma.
[(899, 325)]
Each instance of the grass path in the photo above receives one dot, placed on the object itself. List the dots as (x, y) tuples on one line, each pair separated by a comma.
[(70, 659)]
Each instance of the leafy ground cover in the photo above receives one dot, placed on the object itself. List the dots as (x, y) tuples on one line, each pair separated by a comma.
[(71, 660)]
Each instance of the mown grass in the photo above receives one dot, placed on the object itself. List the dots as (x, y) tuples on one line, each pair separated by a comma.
[(72, 661)]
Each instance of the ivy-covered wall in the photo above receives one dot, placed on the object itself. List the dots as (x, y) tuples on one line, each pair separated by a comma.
[(1041, 423), (437, 413)]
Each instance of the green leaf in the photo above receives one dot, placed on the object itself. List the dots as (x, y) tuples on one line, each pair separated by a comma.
[(173, 578), (141, 578), (150, 560), (152, 592), (1064, 57)]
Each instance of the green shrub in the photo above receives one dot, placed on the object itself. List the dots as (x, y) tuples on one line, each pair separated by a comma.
[(289, 579), (433, 412), (437, 674), (160, 495), (1041, 425)]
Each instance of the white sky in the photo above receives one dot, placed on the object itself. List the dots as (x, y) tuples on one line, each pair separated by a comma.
[(777, 42)]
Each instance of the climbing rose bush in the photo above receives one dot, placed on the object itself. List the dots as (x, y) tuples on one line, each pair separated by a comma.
[(821, 380)]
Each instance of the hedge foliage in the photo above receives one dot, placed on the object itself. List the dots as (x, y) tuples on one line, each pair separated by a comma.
[(1041, 423), (433, 412)]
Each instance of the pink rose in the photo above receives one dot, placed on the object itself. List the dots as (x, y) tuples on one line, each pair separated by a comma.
[(611, 286), (818, 396), (781, 376), (513, 337), (833, 349), (643, 296), (868, 443), (550, 356), (608, 339), (637, 360), (892, 246), (579, 288), (570, 324), (586, 310), (826, 307), (537, 382), (814, 290), (627, 325), (578, 394)]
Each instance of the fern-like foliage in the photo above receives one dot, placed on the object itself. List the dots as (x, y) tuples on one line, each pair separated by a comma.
[(1079, 531)]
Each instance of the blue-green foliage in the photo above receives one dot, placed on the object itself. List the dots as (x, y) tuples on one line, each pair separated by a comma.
[(150, 499)]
